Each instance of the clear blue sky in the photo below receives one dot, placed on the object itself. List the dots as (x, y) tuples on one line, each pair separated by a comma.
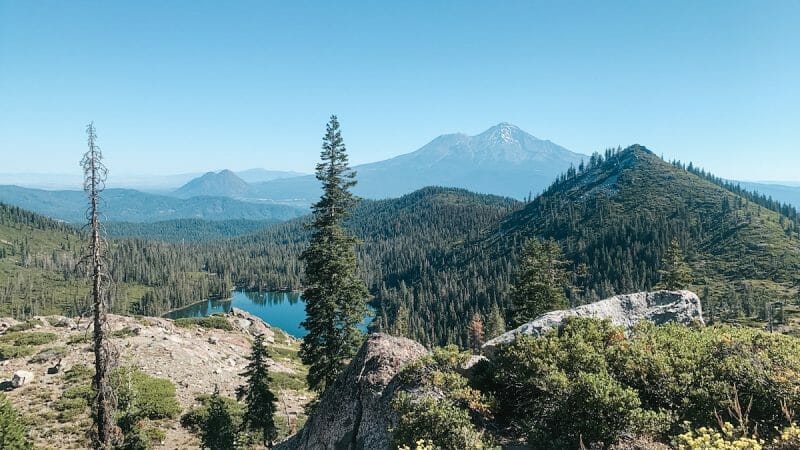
[(183, 86)]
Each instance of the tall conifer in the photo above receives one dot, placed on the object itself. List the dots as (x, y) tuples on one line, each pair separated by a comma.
[(258, 398), (335, 296), (540, 281), (218, 432), (675, 272)]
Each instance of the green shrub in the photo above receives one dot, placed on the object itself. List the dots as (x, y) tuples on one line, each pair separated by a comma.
[(195, 419), (23, 326), (15, 351), (150, 397), (74, 402), (78, 373), (12, 433), (292, 381), (82, 338), (444, 417), (48, 354), (589, 379), (215, 322), (437, 420), (123, 333), (27, 338), (595, 408)]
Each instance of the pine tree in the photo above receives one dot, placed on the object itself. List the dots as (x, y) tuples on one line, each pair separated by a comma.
[(401, 321), (335, 296), (258, 398), (496, 324), (103, 404), (540, 281), (675, 273), (476, 336), (218, 431), (12, 434)]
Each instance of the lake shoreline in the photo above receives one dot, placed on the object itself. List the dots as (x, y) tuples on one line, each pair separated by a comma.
[(226, 299), (281, 309)]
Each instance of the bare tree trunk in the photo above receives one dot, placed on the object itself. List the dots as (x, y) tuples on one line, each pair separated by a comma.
[(104, 400)]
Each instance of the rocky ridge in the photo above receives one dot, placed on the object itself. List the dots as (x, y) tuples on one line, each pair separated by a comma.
[(622, 310), (193, 358), (355, 412)]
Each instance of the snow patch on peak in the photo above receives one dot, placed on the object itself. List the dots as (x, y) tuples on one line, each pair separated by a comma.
[(503, 133)]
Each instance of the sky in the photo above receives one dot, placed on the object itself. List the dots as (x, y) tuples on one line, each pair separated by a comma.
[(190, 86)]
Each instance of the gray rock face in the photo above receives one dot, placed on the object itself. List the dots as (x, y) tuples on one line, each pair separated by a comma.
[(21, 378), (623, 310), (355, 413)]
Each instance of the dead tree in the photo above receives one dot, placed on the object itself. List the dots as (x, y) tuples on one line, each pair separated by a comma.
[(104, 404)]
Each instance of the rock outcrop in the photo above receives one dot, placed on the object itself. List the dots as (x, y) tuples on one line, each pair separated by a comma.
[(21, 378), (622, 310), (355, 413)]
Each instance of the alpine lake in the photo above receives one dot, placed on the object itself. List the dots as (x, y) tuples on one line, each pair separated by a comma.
[(284, 310)]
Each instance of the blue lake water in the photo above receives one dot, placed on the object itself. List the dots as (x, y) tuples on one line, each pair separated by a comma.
[(285, 310)]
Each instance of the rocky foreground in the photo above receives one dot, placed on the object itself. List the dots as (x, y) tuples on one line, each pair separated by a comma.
[(355, 413), (194, 358)]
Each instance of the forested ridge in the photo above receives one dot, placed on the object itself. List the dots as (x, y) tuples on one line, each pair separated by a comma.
[(401, 238), (186, 230), (435, 257), (615, 218)]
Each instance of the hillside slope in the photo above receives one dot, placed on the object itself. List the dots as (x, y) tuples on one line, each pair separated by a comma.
[(615, 219), (40, 274), (191, 358), (619, 216)]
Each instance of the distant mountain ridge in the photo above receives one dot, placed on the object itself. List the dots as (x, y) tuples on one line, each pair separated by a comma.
[(779, 192), (503, 160), (127, 205), (149, 183)]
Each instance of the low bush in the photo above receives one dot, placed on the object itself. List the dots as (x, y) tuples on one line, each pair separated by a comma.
[(730, 437), (590, 380), (12, 432), (81, 338), (78, 373), (214, 322), (74, 402), (123, 333), (48, 354), (15, 351), (150, 397), (27, 338), (434, 420), (23, 326), (441, 410)]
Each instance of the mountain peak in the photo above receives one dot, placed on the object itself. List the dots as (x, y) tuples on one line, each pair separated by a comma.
[(223, 183), (504, 133)]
